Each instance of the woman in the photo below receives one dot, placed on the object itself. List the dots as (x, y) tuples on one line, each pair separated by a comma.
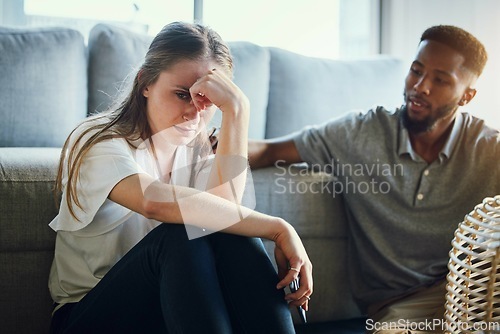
[(117, 269)]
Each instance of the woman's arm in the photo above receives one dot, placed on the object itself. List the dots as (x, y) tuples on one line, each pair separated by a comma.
[(176, 204), (231, 162)]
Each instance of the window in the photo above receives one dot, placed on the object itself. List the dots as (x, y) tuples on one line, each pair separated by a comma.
[(147, 16), (321, 28)]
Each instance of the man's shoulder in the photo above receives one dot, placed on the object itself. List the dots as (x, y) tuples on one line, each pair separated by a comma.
[(478, 137), (355, 124), (366, 115), (376, 122), (476, 129), (375, 118)]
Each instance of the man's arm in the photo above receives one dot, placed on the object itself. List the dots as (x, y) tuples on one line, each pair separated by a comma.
[(264, 153)]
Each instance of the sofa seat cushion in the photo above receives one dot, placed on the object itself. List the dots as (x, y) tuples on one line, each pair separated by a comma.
[(306, 199), (43, 75)]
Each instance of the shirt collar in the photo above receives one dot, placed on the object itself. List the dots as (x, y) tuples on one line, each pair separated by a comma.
[(453, 138), (404, 145)]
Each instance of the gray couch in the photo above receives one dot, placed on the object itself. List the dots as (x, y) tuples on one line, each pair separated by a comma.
[(51, 78)]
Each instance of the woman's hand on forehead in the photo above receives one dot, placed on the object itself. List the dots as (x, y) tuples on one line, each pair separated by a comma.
[(216, 88)]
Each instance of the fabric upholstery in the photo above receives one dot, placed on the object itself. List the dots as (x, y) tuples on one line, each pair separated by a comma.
[(322, 229), (26, 242), (290, 191), (25, 299), (251, 74), (307, 90), (114, 57), (332, 298), (27, 203), (43, 75)]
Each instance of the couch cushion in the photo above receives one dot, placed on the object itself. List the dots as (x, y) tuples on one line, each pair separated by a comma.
[(332, 298), (306, 90), (308, 200), (43, 75), (115, 54), (311, 203), (251, 74)]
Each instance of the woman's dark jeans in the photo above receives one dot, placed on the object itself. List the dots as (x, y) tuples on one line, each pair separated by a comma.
[(220, 283)]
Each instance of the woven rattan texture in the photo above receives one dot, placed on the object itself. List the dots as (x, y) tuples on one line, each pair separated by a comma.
[(473, 289)]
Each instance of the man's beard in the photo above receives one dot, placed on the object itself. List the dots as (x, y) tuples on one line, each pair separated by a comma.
[(428, 123)]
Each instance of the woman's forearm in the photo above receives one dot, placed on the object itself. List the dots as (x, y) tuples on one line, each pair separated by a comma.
[(231, 160), (188, 206), (176, 204)]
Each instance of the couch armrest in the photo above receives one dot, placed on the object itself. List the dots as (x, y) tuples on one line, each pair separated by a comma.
[(27, 206), (27, 203)]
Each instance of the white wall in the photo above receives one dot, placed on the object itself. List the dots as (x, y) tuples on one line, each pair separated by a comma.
[(403, 21), (12, 12)]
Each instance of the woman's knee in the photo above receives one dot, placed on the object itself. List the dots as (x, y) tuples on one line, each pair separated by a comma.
[(170, 241), (166, 233)]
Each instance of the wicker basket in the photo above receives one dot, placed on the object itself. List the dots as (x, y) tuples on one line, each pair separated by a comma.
[(473, 289)]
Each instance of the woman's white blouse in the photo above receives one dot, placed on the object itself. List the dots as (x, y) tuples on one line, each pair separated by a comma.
[(88, 247)]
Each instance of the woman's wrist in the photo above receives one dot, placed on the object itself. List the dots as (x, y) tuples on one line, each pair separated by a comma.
[(238, 108), (281, 229)]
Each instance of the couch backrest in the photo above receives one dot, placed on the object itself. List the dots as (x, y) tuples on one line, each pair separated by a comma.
[(46, 90), (114, 56), (251, 74), (43, 80), (306, 90)]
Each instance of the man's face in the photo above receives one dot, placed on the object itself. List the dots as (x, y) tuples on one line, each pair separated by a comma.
[(435, 86)]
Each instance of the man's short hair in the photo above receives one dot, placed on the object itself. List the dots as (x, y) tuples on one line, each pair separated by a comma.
[(462, 41)]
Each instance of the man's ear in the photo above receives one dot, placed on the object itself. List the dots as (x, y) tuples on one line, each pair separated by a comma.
[(467, 97)]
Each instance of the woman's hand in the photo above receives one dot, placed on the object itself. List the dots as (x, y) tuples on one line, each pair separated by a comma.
[(293, 263), (216, 88)]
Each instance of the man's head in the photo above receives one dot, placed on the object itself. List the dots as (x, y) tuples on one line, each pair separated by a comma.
[(462, 41), (441, 78)]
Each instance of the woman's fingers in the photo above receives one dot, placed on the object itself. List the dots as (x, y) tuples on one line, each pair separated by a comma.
[(289, 277), (302, 295), (282, 264), (201, 102), (299, 272), (204, 90), (303, 277), (215, 88)]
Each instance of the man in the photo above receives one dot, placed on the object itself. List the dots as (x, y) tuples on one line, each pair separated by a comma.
[(445, 162)]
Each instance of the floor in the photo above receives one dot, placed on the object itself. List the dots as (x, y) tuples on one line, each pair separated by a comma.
[(352, 326)]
